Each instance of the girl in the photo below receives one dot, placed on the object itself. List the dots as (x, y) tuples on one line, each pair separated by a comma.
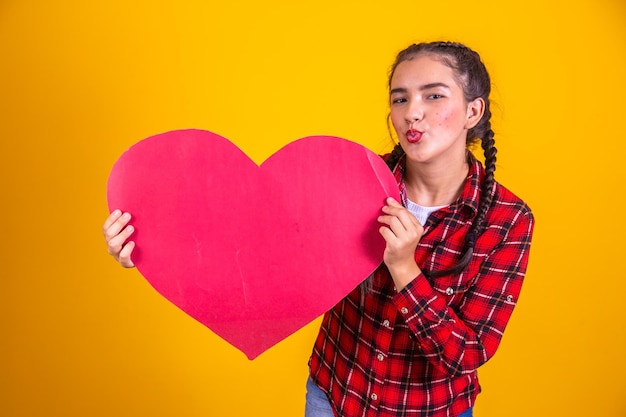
[(409, 340)]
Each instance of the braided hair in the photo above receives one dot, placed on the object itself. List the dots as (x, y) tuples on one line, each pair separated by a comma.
[(473, 77)]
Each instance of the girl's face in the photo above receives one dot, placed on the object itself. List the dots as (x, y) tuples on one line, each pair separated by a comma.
[(429, 112)]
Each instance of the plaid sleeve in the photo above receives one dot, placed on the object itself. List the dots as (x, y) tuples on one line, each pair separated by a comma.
[(459, 332)]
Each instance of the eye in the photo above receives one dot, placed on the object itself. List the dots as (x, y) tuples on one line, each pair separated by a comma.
[(435, 96), (398, 100)]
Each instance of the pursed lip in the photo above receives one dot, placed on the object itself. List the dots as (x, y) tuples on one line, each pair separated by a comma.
[(413, 136)]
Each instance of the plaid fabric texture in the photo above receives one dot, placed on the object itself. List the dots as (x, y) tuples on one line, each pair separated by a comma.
[(416, 352)]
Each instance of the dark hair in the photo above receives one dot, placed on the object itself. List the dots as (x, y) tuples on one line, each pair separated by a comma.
[(473, 78)]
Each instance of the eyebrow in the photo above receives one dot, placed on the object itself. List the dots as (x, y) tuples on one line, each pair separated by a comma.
[(424, 87)]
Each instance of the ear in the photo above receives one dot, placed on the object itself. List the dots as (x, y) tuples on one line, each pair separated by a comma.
[(475, 111)]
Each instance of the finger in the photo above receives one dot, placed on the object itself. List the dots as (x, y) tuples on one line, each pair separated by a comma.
[(116, 243), (393, 202), (406, 218), (118, 222), (115, 214), (125, 255), (396, 207), (387, 234), (394, 224)]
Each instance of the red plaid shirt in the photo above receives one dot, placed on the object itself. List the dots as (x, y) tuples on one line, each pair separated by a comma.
[(416, 352)]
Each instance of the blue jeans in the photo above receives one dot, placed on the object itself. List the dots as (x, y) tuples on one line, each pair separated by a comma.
[(317, 404)]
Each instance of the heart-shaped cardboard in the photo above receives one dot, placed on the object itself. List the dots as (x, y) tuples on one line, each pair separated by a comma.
[(254, 253)]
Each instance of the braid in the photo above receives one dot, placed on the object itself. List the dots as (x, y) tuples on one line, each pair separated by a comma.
[(486, 198), (394, 156), (486, 195)]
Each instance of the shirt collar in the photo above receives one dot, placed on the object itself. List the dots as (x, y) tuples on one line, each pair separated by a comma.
[(470, 194)]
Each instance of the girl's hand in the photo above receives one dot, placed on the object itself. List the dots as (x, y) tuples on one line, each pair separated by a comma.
[(402, 232), (116, 232)]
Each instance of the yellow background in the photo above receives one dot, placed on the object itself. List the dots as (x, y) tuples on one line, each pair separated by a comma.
[(82, 81)]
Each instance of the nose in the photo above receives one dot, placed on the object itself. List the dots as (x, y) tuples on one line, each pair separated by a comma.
[(414, 113)]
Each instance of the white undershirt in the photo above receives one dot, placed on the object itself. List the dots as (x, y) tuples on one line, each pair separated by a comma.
[(421, 212)]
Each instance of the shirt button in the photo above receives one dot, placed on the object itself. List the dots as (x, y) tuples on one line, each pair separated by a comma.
[(449, 291), (380, 357), (404, 310), (374, 397), (509, 298), (386, 323)]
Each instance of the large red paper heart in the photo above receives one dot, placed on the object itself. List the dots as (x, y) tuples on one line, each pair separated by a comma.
[(254, 253)]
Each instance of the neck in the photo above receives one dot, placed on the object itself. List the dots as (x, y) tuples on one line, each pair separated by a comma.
[(435, 184)]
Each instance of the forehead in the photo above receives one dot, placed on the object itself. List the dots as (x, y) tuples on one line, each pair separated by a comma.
[(423, 69)]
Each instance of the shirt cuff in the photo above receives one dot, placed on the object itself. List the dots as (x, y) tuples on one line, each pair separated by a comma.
[(418, 300)]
